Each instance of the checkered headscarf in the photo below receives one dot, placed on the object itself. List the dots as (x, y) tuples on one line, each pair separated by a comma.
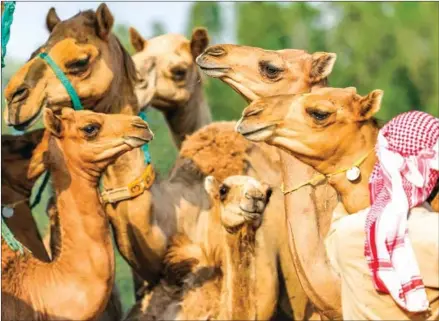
[(404, 176)]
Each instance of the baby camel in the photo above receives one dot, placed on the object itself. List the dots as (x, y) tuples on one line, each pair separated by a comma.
[(301, 125), (214, 279), (76, 285)]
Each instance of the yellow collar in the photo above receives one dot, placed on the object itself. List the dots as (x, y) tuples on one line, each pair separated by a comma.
[(134, 189), (319, 178)]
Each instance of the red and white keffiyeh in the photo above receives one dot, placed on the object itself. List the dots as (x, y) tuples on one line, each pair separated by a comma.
[(403, 177)]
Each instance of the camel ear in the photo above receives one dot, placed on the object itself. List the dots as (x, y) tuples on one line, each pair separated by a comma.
[(136, 39), (37, 165), (105, 21), (322, 64), (199, 41), (52, 19), (211, 185), (52, 122), (370, 105)]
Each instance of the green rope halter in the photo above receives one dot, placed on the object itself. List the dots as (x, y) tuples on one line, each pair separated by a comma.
[(145, 147), (7, 18), (64, 80), (9, 238)]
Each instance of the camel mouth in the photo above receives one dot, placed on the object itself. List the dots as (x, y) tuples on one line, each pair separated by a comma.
[(211, 69), (32, 120), (215, 72), (258, 134), (137, 141), (250, 214), (240, 89)]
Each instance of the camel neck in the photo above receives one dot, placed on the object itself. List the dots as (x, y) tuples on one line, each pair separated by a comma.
[(355, 195), (130, 218), (188, 118), (239, 275), (83, 224), (309, 211)]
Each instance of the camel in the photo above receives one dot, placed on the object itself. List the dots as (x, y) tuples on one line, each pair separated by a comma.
[(16, 193), (178, 87), (144, 223), (214, 279), (274, 72), (76, 284), (300, 125)]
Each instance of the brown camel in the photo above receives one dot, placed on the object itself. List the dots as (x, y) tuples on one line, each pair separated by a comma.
[(178, 87), (16, 192), (267, 73), (300, 125), (76, 285), (143, 224), (215, 278)]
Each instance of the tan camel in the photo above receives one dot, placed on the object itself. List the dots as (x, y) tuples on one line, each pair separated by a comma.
[(216, 278), (300, 125), (144, 223), (178, 87), (16, 192), (253, 73), (76, 285)]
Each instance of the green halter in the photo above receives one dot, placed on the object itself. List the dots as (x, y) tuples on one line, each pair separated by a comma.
[(7, 18), (64, 80)]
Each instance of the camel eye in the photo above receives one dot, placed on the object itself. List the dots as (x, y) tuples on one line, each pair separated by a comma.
[(79, 65), (270, 70), (178, 74), (224, 189), (91, 130), (318, 114)]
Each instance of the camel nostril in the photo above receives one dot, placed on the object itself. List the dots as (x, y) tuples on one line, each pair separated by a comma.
[(252, 111), (20, 94), (269, 192), (215, 51), (140, 124)]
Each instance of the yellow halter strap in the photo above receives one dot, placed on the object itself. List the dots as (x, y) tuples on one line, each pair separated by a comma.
[(319, 178)]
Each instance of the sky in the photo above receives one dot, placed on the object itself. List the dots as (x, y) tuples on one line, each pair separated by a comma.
[(29, 31)]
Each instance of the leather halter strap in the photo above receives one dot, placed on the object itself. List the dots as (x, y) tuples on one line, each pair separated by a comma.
[(133, 189)]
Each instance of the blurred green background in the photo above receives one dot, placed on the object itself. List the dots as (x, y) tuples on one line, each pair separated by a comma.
[(388, 46)]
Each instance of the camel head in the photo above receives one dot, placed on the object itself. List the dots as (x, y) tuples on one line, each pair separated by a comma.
[(175, 68), (91, 141), (319, 128), (255, 72), (16, 158), (91, 57), (242, 200)]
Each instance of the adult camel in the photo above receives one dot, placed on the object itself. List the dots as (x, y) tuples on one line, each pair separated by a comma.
[(76, 284), (99, 70), (178, 88), (300, 125), (266, 73)]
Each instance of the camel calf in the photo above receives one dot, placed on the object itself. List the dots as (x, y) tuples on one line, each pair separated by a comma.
[(216, 278)]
